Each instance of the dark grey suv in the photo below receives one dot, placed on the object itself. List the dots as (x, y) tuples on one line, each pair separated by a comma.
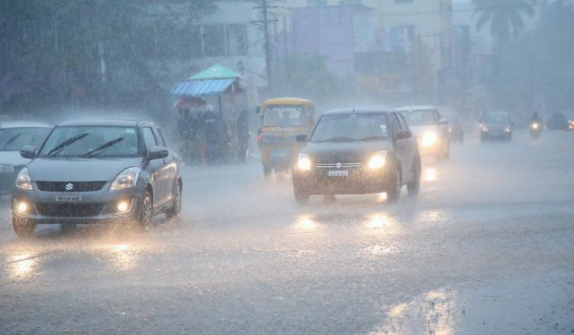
[(97, 171)]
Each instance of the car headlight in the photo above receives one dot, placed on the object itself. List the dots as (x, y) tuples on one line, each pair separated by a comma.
[(24, 182), (378, 160), (429, 139), (6, 169), (126, 179), (304, 163), (534, 126), (484, 128)]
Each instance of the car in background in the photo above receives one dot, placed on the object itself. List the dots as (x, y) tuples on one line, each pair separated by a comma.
[(561, 121), (455, 128), (496, 126), (95, 172), (13, 137), (430, 129), (354, 151)]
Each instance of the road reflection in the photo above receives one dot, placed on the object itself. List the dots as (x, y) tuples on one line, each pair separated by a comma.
[(22, 266), (430, 174), (306, 223), (433, 216), (124, 256), (434, 313), (380, 223)]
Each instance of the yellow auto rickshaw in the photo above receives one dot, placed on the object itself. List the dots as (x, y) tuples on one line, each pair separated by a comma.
[(282, 120)]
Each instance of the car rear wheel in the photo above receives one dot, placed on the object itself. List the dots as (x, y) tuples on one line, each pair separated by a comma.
[(146, 211), (175, 211), (394, 188), (23, 228), (301, 197), (414, 186)]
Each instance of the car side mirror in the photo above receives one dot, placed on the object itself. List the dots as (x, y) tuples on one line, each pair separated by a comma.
[(158, 153), (28, 152), (443, 122), (302, 138), (403, 135)]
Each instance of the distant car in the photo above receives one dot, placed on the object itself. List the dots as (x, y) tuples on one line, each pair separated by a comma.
[(95, 172), (561, 121), (431, 130), (13, 137), (357, 152), (455, 128), (496, 126)]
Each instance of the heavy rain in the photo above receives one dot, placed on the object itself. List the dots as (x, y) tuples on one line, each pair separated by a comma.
[(287, 167)]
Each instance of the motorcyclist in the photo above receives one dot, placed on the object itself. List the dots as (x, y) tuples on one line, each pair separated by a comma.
[(535, 126), (536, 119)]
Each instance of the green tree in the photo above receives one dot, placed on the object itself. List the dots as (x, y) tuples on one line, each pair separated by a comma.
[(505, 17)]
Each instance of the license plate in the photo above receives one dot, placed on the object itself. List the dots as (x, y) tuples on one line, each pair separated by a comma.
[(66, 198), (343, 173)]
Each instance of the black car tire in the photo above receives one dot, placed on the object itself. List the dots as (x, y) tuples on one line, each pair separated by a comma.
[(145, 215), (394, 187), (175, 211), (23, 228), (414, 186), (301, 197)]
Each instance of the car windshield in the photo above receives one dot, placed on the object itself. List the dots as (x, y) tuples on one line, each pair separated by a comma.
[(420, 117), (93, 141), (284, 116), (14, 139), (351, 128), (496, 119)]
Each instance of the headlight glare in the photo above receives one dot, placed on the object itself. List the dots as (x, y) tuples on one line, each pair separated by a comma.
[(429, 139), (378, 160), (304, 163), (24, 182), (126, 179)]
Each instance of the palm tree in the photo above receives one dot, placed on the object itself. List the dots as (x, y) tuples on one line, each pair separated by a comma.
[(506, 17)]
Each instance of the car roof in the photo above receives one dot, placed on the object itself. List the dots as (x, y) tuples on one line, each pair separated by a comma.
[(414, 108), (288, 101), (357, 110), (24, 124), (106, 122)]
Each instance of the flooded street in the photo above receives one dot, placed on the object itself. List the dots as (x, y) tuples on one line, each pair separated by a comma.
[(486, 248)]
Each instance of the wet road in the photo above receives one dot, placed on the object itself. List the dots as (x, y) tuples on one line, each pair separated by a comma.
[(486, 248)]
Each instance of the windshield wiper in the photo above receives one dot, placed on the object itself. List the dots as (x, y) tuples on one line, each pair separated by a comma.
[(103, 147), (338, 139), (11, 140), (66, 144), (372, 138)]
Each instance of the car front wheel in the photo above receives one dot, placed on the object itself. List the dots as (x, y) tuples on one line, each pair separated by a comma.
[(175, 211), (394, 188), (301, 197), (414, 186), (23, 228), (146, 211)]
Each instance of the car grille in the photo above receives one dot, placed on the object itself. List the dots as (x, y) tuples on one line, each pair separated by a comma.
[(69, 210), (343, 166), (88, 186)]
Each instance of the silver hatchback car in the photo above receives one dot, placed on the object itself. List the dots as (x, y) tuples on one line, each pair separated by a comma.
[(96, 172)]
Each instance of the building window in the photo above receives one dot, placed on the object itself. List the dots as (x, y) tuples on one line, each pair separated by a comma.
[(316, 3), (214, 40), (236, 40)]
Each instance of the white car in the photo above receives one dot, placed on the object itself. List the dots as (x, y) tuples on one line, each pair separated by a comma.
[(430, 129)]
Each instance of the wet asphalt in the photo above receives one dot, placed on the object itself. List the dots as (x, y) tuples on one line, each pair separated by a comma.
[(486, 248)]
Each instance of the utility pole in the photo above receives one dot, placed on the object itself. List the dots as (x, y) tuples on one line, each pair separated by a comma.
[(264, 6)]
